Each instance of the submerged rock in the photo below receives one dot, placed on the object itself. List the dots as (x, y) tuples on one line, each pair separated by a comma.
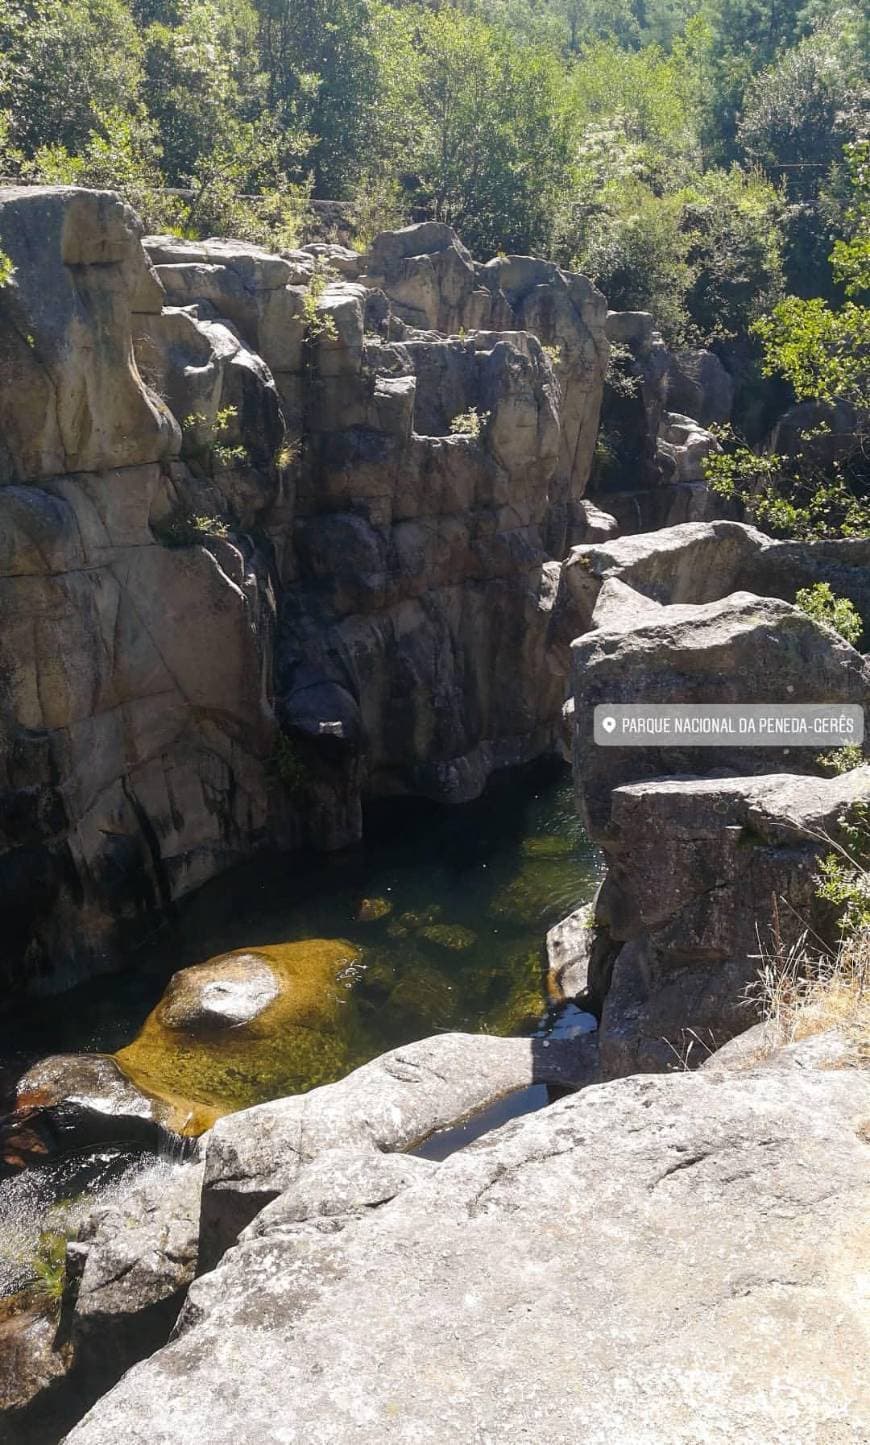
[(222, 994), (451, 936), (243, 1027), (372, 910)]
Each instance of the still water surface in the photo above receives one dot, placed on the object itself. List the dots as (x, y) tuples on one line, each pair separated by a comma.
[(446, 908), (466, 895)]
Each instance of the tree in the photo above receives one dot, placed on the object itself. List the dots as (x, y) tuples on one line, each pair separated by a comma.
[(800, 112), (322, 77), (743, 37), (824, 353), (201, 80), (66, 61), (733, 221), (488, 130)]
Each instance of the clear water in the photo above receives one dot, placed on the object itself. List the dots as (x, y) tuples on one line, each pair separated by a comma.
[(469, 893), (466, 896)]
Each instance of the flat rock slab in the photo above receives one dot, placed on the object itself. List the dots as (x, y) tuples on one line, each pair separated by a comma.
[(389, 1105), (655, 1259)]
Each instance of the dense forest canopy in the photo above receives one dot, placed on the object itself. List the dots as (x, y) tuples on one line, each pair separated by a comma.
[(691, 160), (707, 164)]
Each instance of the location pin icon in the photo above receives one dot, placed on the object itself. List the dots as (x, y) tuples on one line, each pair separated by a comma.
[(608, 723)]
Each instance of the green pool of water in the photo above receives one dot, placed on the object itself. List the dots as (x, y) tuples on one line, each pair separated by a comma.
[(448, 908)]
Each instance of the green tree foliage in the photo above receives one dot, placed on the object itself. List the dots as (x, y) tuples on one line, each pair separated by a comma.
[(820, 489), (322, 74), (594, 131), (65, 61), (800, 112), (488, 131)]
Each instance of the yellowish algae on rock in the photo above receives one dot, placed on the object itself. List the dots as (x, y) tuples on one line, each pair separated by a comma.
[(245, 1027), (449, 935), (372, 910)]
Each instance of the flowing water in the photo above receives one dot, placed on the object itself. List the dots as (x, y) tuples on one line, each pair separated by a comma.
[(445, 909)]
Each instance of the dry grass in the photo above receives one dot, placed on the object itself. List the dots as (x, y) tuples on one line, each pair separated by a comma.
[(800, 995)]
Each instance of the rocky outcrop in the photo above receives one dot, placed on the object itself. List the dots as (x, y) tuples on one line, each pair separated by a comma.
[(744, 649), (127, 1272), (298, 1167), (657, 410), (706, 877), (704, 872), (477, 1272), (391, 1104), (704, 562), (268, 548)]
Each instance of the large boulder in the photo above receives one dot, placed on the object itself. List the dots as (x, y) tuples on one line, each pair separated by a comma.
[(242, 1027), (697, 384), (741, 650), (685, 446), (639, 1261), (389, 1105), (72, 398), (70, 1102), (701, 562), (705, 878), (225, 396)]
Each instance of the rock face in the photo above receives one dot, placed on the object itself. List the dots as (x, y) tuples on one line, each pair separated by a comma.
[(636, 1262), (390, 1104), (657, 408), (318, 565), (705, 875), (703, 872), (72, 400)]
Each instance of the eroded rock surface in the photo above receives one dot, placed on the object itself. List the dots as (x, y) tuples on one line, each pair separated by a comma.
[(744, 649), (627, 1263), (390, 1104), (261, 557), (128, 1271), (699, 562)]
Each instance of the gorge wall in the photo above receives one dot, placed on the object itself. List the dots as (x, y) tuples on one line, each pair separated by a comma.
[(253, 568)]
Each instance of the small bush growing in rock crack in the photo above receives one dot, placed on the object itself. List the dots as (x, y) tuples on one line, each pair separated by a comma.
[(619, 376), (823, 605), (841, 760), (49, 1264), (288, 764), (317, 325), (187, 529), (203, 439), (469, 423)]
